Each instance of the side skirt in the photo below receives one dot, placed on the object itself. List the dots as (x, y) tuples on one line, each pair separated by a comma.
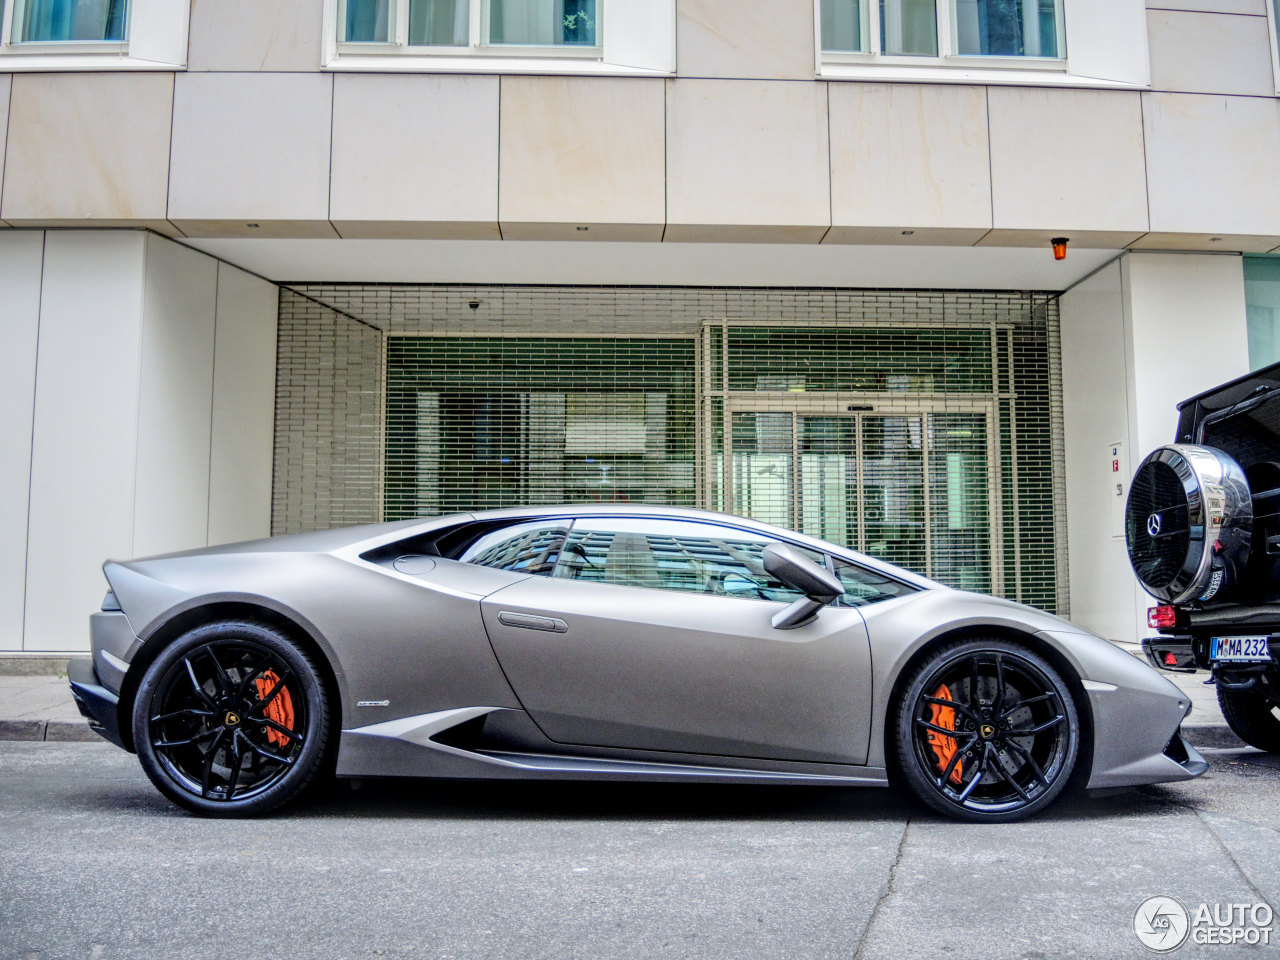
[(413, 747)]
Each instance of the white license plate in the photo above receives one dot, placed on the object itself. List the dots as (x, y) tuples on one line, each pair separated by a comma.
[(1240, 649)]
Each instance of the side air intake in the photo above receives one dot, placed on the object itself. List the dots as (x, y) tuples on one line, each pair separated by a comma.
[(1188, 524)]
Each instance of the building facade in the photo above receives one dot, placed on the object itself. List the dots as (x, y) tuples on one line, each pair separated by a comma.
[(279, 265)]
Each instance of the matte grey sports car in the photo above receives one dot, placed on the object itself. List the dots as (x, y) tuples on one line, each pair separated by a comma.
[(605, 642)]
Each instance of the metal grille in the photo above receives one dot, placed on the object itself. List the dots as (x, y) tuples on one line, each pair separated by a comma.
[(478, 422), (923, 427)]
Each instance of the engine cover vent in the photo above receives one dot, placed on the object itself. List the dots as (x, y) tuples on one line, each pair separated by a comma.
[(1188, 523)]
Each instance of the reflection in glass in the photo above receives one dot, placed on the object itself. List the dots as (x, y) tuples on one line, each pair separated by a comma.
[(842, 26), (526, 547), (45, 21), (959, 500), (909, 28), (367, 21), (893, 490), (543, 22), (1007, 28), (439, 22), (762, 478), (688, 556)]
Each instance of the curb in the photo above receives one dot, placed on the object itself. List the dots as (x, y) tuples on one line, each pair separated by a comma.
[(61, 731)]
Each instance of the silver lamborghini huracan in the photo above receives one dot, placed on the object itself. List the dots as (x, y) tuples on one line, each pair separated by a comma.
[(606, 642)]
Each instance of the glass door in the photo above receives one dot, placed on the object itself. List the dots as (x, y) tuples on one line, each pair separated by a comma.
[(913, 488)]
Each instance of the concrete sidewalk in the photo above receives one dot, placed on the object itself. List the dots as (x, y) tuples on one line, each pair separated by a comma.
[(36, 704)]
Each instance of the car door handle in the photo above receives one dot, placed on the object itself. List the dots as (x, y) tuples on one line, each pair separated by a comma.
[(530, 622)]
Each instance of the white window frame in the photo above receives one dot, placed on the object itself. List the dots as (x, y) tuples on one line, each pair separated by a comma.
[(478, 45), (947, 54), (642, 43), (155, 38), (1104, 44)]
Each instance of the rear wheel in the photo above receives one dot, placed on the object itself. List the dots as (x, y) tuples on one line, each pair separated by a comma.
[(1253, 716), (987, 731), (231, 719)]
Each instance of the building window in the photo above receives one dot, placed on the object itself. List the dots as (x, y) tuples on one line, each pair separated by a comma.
[(63, 21), (1262, 309), (955, 28), (553, 25)]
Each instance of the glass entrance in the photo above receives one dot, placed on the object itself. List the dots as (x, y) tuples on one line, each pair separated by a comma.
[(913, 488)]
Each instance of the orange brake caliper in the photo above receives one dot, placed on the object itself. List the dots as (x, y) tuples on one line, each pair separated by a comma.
[(280, 709), (944, 747)]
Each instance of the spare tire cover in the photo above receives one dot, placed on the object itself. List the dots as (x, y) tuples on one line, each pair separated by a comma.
[(1188, 523)]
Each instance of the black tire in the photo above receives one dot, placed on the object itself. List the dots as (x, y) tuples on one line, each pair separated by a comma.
[(1253, 717), (231, 719), (1015, 733)]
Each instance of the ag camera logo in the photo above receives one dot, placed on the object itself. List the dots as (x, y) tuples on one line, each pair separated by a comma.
[(1162, 924)]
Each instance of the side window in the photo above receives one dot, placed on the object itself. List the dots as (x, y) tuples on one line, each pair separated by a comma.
[(672, 555), (863, 586), (524, 548)]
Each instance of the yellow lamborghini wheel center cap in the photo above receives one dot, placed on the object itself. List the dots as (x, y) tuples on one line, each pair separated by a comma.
[(232, 718), (987, 731)]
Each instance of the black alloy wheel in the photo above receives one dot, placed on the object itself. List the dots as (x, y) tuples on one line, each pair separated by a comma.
[(987, 731), (231, 719)]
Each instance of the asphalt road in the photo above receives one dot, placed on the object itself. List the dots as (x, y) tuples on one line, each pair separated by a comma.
[(94, 863)]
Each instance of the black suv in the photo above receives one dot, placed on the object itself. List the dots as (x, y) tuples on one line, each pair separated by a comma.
[(1202, 526)]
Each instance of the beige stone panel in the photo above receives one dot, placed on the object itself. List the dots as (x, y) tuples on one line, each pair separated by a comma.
[(251, 148), (756, 39), (1211, 164), (1067, 160), (261, 229), (742, 233), (417, 151), (416, 230), (581, 151), (914, 236), (279, 35), (87, 146), (747, 154), (1210, 53), (1078, 239), (583, 232), (909, 156), (1209, 243), (1255, 7)]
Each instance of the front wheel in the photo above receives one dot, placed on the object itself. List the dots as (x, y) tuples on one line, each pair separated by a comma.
[(1253, 715), (231, 719), (987, 731)]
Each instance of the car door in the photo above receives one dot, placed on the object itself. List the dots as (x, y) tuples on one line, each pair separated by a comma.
[(655, 634)]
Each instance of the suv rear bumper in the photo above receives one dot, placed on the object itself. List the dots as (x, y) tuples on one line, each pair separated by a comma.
[(1159, 650)]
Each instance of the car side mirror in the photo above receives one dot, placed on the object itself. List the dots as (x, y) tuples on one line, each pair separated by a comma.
[(798, 572)]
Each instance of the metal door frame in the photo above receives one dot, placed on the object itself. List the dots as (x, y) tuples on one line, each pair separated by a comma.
[(859, 406)]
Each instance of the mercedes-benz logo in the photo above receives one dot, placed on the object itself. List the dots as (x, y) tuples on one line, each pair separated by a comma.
[(1153, 525)]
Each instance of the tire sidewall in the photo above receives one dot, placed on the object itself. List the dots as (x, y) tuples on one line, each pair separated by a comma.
[(314, 742), (907, 764)]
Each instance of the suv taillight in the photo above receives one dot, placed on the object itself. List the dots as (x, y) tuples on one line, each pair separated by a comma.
[(1162, 618)]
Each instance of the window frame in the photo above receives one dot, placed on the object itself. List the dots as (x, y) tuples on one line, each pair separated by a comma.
[(947, 55), (642, 43), (477, 46), (830, 559), (154, 38)]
